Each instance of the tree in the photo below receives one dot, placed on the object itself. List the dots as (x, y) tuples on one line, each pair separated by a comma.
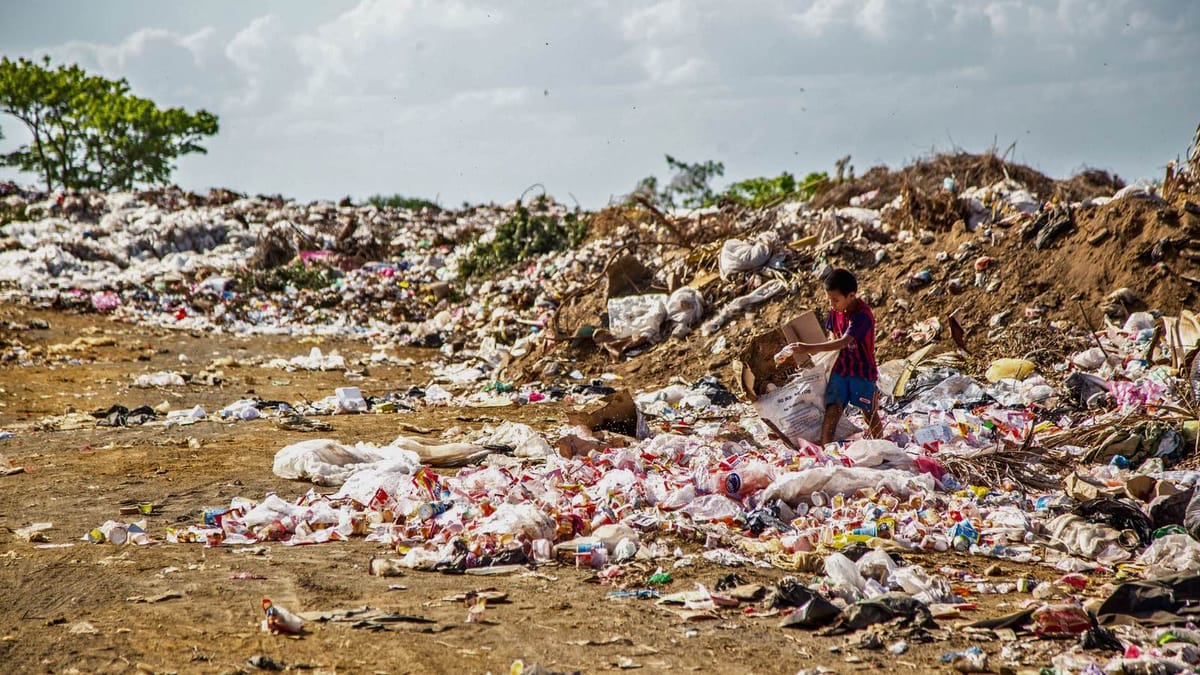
[(91, 132), (688, 187)]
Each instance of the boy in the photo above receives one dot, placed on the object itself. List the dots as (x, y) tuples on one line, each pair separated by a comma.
[(852, 381)]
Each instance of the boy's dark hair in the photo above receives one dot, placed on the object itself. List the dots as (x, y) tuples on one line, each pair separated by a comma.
[(841, 280)]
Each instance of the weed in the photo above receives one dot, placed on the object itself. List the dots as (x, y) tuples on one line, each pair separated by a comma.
[(521, 237), (401, 202), (278, 279)]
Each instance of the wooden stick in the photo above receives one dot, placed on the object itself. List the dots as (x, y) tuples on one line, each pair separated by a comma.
[(1092, 328)]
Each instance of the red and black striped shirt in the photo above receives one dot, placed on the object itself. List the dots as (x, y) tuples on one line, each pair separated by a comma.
[(858, 358)]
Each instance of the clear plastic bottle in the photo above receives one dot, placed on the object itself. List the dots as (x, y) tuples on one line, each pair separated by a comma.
[(743, 480)]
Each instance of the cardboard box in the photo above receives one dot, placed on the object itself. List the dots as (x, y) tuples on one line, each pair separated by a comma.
[(789, 396)]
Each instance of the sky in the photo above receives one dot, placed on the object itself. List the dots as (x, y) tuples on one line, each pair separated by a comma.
[(476, 101)]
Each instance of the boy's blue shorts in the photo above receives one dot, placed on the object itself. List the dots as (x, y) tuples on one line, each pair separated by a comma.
[(856, 391)]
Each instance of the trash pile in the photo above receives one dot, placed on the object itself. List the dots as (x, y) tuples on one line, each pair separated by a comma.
[(1088, 478), (998, 253), (1080, 456)]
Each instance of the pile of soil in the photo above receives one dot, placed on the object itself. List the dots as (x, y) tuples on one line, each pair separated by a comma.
[(1028, 302), (926, 175)]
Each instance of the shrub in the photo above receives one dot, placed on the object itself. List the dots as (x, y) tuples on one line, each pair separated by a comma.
[(521, 237), (398, 201)]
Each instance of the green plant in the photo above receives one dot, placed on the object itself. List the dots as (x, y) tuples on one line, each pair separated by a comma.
[(277, 279), (761, 191), (90, 132), (521, 237), (9, 214), (398, 201)]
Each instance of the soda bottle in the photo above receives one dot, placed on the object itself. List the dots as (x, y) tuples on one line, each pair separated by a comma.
[(743, 480), (431, 510)]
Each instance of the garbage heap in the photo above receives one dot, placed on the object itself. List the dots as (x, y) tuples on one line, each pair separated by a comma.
[(1092, 478), (1016, 258), (1080, 458)]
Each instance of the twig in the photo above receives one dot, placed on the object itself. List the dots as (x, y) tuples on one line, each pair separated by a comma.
[(662, 218), (1092, 330)]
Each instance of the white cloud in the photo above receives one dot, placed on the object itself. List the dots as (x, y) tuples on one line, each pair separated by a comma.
[(664, 20), (479, 99), (173, 67)]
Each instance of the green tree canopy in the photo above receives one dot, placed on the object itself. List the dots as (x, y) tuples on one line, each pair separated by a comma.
[(91, 132)]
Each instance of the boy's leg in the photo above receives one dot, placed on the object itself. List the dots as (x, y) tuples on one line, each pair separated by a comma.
[(837, 395), (874, 424), (833, 415)]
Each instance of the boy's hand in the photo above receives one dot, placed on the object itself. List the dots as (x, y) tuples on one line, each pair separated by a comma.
[(790, 350)]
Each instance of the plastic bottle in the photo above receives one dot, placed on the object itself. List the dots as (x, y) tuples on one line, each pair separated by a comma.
[(963, 535), (744, 480), (431, 510)]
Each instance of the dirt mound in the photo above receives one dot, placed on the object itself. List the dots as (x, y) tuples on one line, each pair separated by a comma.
[(1011, 296), (927, 175)]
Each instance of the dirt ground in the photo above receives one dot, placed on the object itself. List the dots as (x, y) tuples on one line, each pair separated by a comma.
[(557, 616)]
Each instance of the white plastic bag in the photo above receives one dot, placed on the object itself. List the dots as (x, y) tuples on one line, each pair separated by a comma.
[(746, 256), (1091, 540), (796, 486), (740, 304), (522, 438), (713, 507), (637, 316), (1171, 554), (165, 378), (524, 521), (878, 452), (327, 462), (877, 565), (842, 572), (685, 307)]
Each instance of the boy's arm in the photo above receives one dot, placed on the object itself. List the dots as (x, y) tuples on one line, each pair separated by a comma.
[(834, 345), (799, 348)]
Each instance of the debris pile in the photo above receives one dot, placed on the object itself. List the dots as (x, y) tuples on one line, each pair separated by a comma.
[(1039, 386)]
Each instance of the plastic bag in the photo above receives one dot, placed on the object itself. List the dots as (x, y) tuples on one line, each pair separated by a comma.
[(350, 400), (1009, 369), (327, 462), (165, 378), (878, 452), (713, 507), (269, 510), (685, 307), (793, 487), (842, 572), (740, 304), (1089, 359), (1139, 321), (877, 565), (1172, 554), (522, 438), (743, 256), (524, 521), (1091, 540), (918, 583), (637, 316)]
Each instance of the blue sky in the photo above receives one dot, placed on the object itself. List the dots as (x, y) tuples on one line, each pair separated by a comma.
[(475, 101)]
